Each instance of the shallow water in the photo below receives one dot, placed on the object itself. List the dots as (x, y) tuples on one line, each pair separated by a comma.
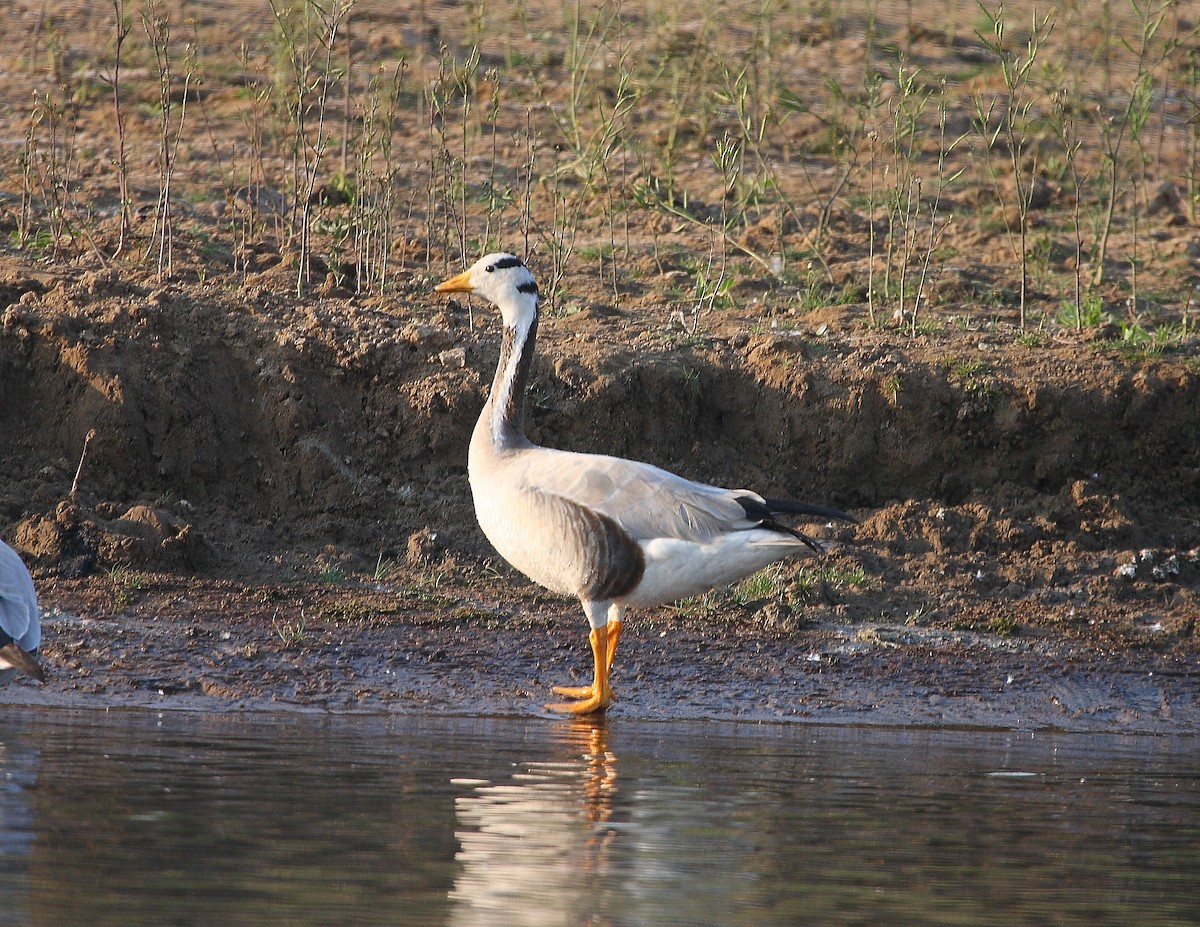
[(177, 819)]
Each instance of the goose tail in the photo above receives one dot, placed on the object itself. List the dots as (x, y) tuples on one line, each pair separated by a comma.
[(766, 512)]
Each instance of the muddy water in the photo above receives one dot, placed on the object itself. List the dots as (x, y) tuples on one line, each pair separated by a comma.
[(175, 819)]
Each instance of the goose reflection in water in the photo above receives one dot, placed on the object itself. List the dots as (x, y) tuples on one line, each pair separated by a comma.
[(534, 850)]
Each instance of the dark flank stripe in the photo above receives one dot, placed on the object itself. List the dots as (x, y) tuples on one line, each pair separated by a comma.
[(529, 286), (619, 559), (506, 262)]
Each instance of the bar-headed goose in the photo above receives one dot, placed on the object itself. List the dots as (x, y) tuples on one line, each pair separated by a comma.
[(20, 619), (613, 532)]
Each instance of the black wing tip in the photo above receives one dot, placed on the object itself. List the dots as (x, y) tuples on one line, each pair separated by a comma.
[(769, 508), (764, 513)]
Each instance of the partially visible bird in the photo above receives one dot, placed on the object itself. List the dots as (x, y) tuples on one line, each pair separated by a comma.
[(612, 532), (20, 619)]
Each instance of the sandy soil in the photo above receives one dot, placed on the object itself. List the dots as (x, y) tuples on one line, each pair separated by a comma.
[(273, 509)]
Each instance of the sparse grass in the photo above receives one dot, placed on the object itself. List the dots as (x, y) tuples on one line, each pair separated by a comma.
[(713, 137), (999, 625), (1009, 117), (383, 569), (127, 585), (425, 589), (292, 632), (968, 368), (1003, 626), (845, 578), (1136, 341), (1090, 315), (973, 377), (924, 326), (332, 574), (37, 240), (812, 581), (698, 606), (816, 292), (893, 386), (807, 586), (765, 584)]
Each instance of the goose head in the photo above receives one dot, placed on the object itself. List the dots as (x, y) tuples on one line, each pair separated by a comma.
[(503, 280)]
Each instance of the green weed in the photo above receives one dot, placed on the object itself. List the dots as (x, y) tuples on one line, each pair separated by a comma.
[(765, 584), (292, 632), (1090, 315), (332, 574)]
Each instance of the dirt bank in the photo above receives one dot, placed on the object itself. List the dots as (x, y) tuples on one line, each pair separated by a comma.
[(274, 510)]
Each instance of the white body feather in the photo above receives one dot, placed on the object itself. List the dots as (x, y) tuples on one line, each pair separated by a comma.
[(693, 537), (20, 617)]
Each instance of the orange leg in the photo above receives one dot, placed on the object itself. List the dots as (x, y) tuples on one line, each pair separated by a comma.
[(613, 630), (598, 696)]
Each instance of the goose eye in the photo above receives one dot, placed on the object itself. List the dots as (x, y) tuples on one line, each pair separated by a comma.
[(490, 268)]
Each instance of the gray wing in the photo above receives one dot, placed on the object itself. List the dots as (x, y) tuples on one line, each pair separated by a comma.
[(645, 501), (20, 619), (590, 553)]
